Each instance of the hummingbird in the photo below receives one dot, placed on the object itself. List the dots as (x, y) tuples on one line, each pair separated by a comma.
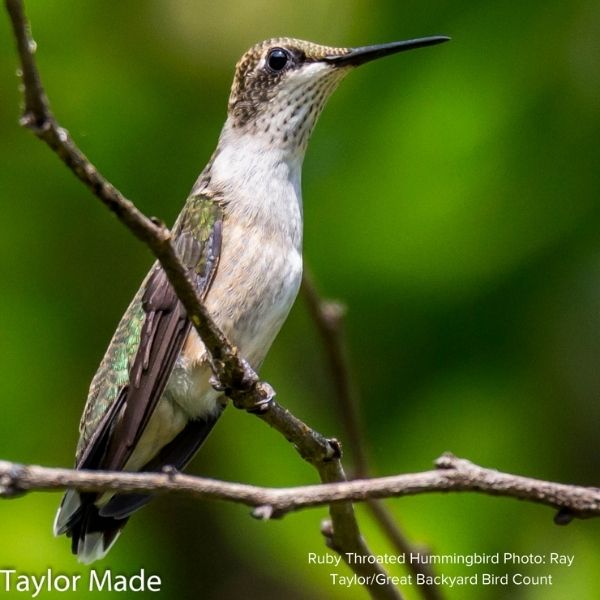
[(152, 402)]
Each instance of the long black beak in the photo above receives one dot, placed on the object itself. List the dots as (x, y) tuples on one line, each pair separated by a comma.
[(359, 56)]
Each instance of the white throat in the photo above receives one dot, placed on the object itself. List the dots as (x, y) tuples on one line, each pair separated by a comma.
[(261, 182)]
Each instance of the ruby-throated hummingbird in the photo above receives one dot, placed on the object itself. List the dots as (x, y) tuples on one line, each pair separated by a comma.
[(151, 403)]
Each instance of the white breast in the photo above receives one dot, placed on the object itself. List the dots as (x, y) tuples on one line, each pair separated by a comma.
[(260, 266)]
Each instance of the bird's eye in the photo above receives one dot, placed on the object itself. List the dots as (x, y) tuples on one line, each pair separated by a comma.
[(277, 59)]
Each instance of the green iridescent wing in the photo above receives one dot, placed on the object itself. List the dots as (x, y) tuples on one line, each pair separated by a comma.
[(145, 346)]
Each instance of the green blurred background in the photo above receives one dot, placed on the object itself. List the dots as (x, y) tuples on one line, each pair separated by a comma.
[(451, 200)]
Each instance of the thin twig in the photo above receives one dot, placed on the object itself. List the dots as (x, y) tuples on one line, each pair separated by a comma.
[(238, 381), (451, 475), (328, 316)]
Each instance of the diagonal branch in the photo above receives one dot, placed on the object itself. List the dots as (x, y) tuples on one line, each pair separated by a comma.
[(452, 474), (235, 377), (234, 373)]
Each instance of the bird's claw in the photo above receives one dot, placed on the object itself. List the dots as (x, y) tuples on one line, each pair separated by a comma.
[(267, 393), (216, 384)]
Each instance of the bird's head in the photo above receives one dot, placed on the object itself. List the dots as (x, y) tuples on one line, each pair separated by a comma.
[(281, 85)]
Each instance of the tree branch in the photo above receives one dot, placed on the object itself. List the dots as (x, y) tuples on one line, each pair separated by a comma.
[(452, 474), (328, 316), (235, 377), (233, 373)]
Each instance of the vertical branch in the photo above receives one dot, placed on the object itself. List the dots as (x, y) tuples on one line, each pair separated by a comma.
[(36, 110), (328, 316), (343, 535)]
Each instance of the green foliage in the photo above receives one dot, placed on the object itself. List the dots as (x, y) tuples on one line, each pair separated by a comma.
[(451, 199)]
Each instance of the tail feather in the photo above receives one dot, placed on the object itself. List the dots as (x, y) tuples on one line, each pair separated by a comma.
[(92, 535), (68, 512), (94, 521)]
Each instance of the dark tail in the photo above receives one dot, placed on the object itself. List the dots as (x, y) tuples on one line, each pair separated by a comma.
[(92, 535), (94, 529)]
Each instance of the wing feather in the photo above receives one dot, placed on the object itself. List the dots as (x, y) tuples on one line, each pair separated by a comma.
[(143, 352)]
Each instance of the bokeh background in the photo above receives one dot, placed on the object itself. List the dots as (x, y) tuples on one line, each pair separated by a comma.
[(452, 200)]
